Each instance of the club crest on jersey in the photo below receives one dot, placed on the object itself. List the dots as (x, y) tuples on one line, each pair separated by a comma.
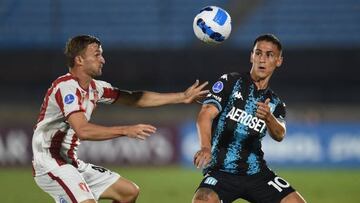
[(68, 99), (84, 187), (217, 87)]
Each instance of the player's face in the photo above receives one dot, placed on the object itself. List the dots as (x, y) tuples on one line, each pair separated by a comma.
[(265, 57), (93, 60)]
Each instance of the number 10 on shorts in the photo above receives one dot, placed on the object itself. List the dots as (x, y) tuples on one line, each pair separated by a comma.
[(279, 183)]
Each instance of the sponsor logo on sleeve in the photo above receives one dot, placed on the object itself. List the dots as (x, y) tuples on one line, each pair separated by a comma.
[(69, 98), (214, 96), (217, 87)]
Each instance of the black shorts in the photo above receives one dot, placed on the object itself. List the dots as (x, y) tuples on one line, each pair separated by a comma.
[(263, 187)]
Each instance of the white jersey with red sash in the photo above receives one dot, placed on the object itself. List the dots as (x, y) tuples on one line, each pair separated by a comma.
[(54, 143)]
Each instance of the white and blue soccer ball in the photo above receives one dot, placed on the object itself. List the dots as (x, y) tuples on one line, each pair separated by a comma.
[(212, 25)]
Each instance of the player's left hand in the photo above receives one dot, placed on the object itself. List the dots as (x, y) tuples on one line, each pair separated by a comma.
[(202, 157), (263, 110), (195, 92)]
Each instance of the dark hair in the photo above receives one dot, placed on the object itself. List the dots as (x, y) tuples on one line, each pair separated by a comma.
[(269, 38), (76, 45)]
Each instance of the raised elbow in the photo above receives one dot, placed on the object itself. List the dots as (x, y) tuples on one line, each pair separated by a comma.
[(279, 138), (278, 134)]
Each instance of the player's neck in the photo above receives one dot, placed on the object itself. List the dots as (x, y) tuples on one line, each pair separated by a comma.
[(260, 83), (82, 78)]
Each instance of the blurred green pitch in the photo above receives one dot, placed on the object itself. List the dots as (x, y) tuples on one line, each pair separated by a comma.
[(177, 185)]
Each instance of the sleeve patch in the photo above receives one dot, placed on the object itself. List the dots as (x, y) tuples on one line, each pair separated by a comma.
[(218, 87), (69, 98)]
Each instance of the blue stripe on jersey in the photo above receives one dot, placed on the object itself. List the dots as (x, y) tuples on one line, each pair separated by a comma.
[(241, 132), (234, 148), (213, 101), (253, 164), (252, 159), (220, 127)]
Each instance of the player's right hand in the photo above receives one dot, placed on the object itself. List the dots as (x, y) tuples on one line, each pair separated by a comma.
[(140, 131), (202, 158)]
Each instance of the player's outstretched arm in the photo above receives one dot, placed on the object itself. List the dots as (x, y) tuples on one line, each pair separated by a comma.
[(275, 128), (151, 99), (88, 131), (204, 122)]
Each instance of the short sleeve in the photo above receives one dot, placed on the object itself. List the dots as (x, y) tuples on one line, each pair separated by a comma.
[(68, 98), (280, 111), (107, 93), (220, 91)]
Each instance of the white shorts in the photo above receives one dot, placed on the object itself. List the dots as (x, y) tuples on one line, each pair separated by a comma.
[(67, 184)]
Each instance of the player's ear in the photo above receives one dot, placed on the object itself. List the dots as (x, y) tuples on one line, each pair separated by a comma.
[(279, 61), (78, 59), (251, 57)]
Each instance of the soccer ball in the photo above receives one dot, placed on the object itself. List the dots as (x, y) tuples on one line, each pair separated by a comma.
[(212, 25)]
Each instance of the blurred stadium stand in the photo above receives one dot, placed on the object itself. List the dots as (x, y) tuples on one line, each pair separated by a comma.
[(303, 24), (155, 24)]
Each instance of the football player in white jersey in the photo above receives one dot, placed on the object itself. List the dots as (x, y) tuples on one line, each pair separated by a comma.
[(64, 121)]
